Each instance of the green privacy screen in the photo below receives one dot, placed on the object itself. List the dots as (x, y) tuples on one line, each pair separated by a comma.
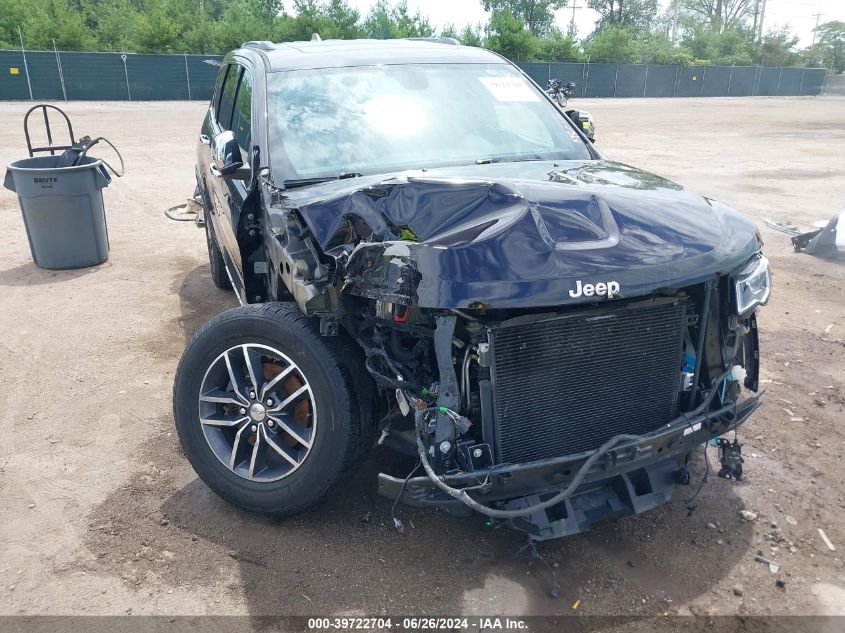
[(651, 80), (106, 76), (122, 77)]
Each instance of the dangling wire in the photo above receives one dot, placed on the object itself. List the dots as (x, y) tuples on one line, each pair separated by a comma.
[(534, 554), (397, 522)]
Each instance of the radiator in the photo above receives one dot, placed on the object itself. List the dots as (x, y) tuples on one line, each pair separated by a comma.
[(569, 383)]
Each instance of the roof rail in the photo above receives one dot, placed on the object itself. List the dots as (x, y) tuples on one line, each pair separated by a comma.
[(262, 45), (451, 41)]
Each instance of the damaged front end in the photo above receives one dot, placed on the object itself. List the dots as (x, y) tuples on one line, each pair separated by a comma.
[(554, 421), (565, 419), (551, 349)]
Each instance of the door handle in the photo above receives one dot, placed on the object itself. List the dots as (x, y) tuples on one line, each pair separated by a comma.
[(205, 140)]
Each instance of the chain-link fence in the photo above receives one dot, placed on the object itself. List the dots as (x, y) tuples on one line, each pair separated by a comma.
[(835, 85), (45, 75), (651, 80)]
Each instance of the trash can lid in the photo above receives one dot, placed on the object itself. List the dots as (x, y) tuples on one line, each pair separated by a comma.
[(43, 167), (41, 164)]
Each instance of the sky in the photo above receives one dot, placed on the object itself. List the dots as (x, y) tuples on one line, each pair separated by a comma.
[(798, 14)]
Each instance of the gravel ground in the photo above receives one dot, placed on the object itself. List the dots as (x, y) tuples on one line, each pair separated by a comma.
[(103, 515)]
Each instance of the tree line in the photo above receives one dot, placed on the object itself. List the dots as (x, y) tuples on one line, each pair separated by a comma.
[(687, 32)]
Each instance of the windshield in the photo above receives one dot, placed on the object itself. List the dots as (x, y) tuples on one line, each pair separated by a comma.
[(330, 123)]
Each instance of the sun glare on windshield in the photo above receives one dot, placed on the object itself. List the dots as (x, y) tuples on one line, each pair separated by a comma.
[(395, 116)]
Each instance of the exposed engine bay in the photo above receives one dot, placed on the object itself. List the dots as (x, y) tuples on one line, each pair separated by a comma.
[(499, 402)]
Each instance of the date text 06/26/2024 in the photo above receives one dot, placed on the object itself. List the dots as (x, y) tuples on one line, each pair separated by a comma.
[(492, 623)]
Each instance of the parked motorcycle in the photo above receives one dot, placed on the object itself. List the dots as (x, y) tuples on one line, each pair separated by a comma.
[(560, 93)]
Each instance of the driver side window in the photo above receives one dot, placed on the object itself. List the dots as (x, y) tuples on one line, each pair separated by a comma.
[(227, 97), (242, 116)]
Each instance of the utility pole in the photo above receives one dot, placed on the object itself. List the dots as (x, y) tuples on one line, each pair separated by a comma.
[(756, 15), (762, 17), (818, 15), (572, 28), (674, 27)]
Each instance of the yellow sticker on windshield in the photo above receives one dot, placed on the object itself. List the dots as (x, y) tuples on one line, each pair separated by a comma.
[(509, 89)]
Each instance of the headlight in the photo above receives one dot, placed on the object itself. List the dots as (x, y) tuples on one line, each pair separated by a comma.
[(753, 285)]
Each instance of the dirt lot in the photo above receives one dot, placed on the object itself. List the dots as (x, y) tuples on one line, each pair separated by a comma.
[(101, 514)]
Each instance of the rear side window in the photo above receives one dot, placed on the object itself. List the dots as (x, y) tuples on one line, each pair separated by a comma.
[(227, 98), (242, 117)]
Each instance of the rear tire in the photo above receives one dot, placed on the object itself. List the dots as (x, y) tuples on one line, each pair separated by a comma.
[(289, 460)]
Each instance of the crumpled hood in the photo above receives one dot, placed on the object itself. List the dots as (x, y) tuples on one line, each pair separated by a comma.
[(522, 234)]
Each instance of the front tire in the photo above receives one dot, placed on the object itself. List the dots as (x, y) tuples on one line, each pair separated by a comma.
[(271, 415)]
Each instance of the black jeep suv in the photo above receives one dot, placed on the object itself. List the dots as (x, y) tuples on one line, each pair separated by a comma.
[(432, 256)]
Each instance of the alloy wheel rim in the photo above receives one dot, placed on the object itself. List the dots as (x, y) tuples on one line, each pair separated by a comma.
[(257, 412)]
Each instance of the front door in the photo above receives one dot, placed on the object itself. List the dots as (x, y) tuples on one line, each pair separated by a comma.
[(233, 112)]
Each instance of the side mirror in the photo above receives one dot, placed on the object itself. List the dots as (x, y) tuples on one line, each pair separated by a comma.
[(584, 121), (226, 156)]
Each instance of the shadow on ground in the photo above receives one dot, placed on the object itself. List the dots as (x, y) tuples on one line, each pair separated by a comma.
[(29, 274), (200, 299)]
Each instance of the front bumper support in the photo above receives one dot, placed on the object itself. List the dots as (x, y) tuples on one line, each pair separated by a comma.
[(630, 479)]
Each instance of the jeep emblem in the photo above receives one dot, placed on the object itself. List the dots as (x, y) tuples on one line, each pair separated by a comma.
[(602, 289)]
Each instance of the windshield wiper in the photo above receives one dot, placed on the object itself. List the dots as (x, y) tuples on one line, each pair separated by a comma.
[(304, 182), (511, 159)]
